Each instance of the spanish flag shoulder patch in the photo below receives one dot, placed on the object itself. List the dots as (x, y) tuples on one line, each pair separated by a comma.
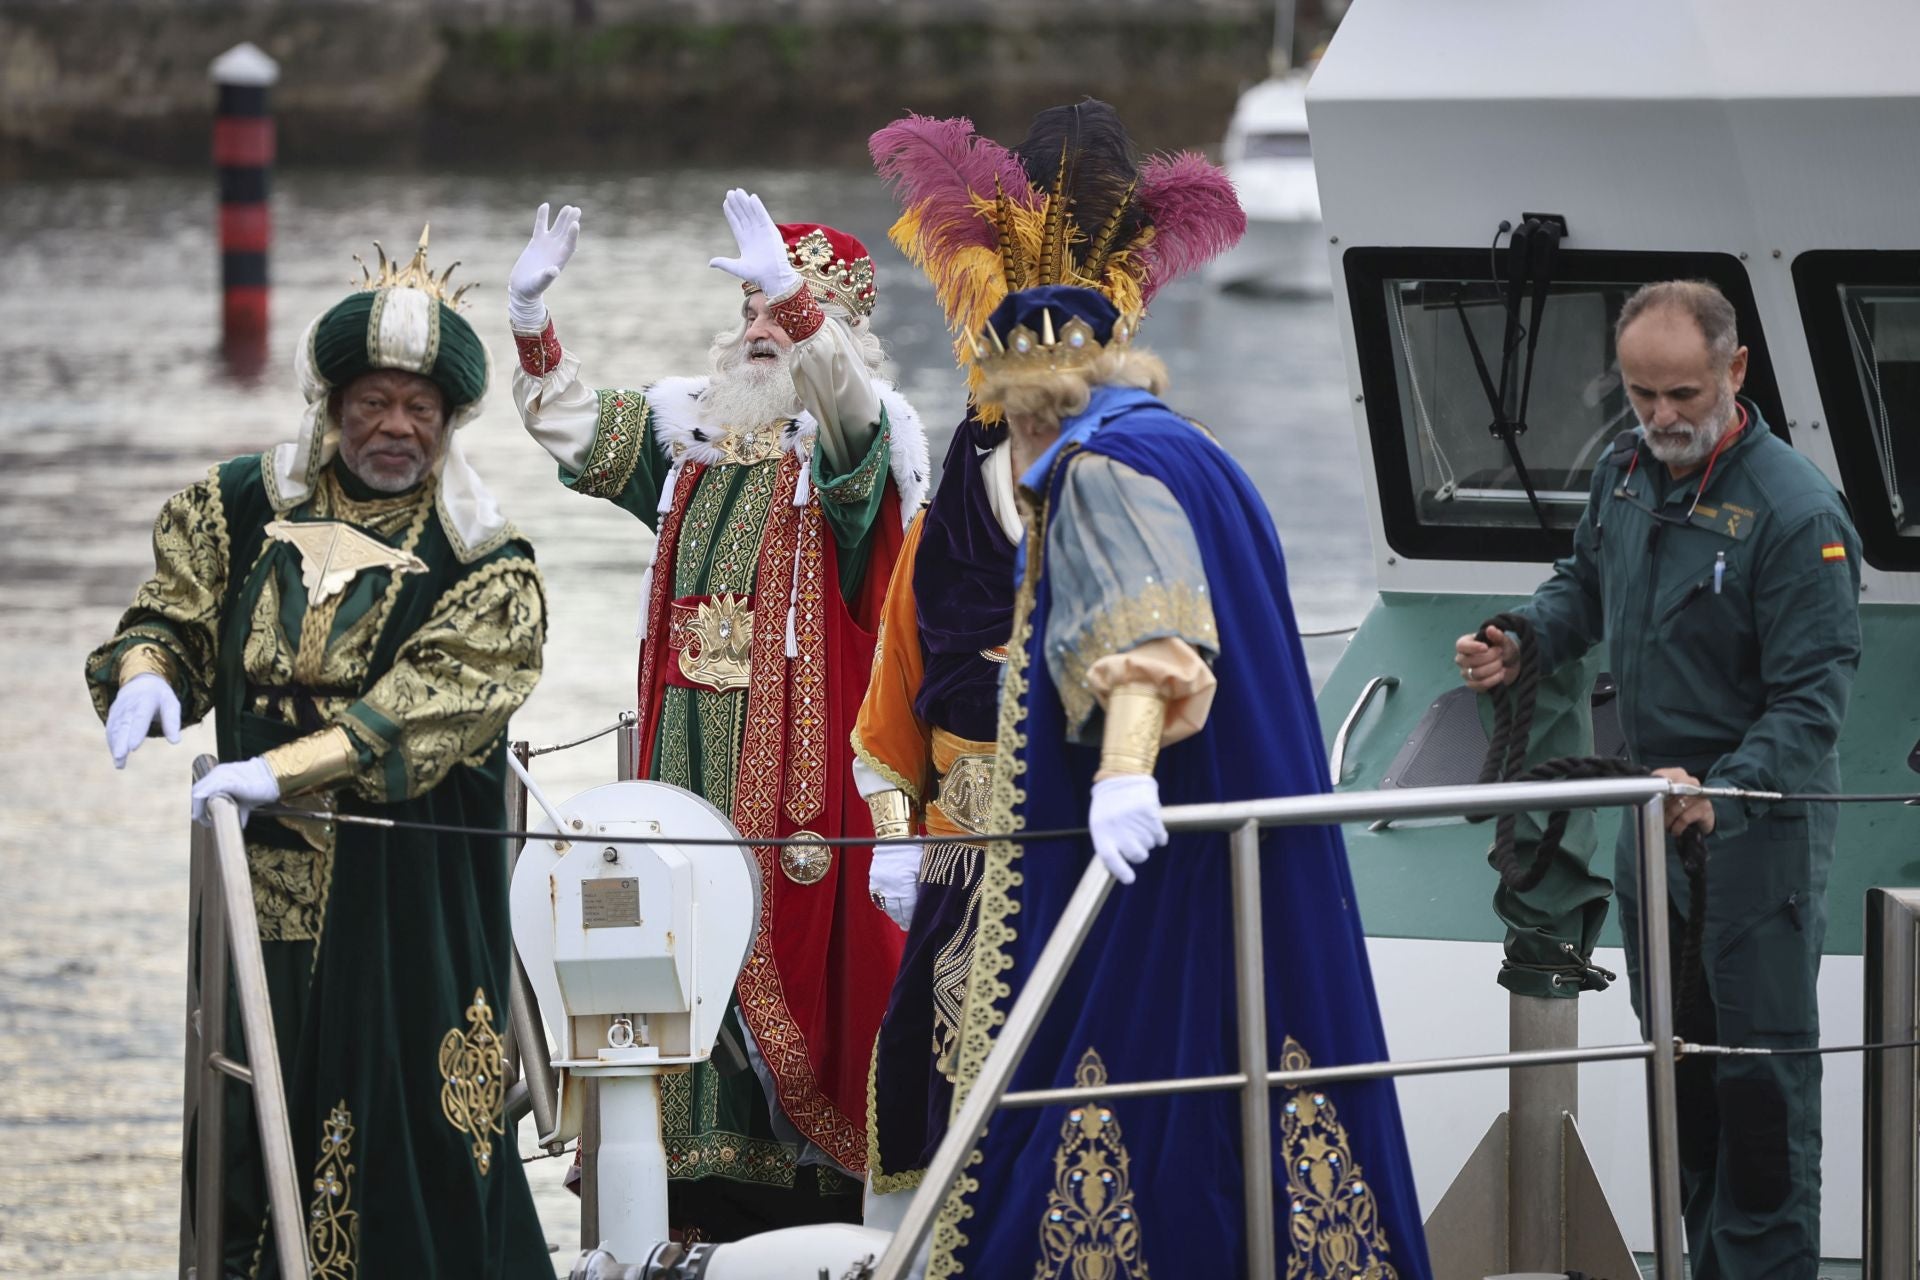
[(1834, 551)]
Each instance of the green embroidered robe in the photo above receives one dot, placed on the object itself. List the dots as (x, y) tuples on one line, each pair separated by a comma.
[(388, 952)]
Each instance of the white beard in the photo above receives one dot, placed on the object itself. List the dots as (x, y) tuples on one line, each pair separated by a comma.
[(744, 394)]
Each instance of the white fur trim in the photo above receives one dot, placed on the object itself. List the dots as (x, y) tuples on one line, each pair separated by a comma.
[(684, 437)]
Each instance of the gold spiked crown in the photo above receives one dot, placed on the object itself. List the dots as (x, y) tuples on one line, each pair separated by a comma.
[(416, 274), (1023, 337)]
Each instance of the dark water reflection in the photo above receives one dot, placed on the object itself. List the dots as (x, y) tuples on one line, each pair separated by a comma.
[(115, 397)]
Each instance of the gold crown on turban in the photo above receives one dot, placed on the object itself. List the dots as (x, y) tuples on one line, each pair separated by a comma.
[(389, 274)]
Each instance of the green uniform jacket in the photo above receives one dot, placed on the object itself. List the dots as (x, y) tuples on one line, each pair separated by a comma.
[(1742, 680)]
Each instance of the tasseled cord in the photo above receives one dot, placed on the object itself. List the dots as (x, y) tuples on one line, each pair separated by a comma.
[(802, 493), (665, 508)]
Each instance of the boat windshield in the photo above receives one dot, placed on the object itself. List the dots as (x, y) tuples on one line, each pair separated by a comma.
[(1278, 146), (1450, 486), (1862, 314)]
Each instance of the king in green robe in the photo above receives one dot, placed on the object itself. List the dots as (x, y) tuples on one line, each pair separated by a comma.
[(361, 622)]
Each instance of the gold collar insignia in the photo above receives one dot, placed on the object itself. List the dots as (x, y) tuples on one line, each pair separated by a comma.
[(332, 554)]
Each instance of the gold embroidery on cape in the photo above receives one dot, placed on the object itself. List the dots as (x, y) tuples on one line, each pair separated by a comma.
[(715, 642), (1156, 610), (290, 887), (333, 1225), (998, 880), (1090, 1231), (471, 1090), (618, 434), (1332, 1217)]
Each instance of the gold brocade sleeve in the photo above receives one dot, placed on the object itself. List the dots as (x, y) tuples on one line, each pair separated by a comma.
[(454, 683), (177, 610), (888, 737)]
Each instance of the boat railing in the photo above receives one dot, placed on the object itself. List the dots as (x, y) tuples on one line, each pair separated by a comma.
[(223, 928), (225, 950)]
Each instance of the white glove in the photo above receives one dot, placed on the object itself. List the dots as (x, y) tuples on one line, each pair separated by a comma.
[(763, 254), (1125, 820), (893, 881), (539, 266), (130, 718), (247, 783)]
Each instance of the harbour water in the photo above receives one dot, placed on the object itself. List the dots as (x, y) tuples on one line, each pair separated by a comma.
[(115, 396)]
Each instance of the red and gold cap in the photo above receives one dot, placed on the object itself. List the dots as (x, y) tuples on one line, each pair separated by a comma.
[(835, 266)]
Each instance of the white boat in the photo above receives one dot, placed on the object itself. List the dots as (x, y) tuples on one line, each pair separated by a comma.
[(1269, 158)]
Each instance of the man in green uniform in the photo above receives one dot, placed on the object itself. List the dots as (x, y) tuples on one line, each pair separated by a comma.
[(361, 621), (1721, 570), (778, 486)]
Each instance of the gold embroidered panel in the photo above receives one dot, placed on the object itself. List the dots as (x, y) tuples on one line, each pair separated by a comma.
[(1089, 1230), (333, 1225), (618, 437), (472, 1063), (290, 887), (1333, 1220)]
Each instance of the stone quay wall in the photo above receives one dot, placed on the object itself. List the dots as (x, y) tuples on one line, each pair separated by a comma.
[(121, 85)]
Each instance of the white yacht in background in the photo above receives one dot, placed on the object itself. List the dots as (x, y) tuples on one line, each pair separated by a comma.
[(1270, 160)]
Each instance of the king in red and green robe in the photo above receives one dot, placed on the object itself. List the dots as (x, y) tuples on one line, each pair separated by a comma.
[(775, 541)]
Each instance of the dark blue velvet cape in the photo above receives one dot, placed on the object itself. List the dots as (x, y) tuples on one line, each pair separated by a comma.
[(1152, 991)]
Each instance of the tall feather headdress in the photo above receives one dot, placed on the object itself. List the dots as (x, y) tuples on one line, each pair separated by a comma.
[(1072, 204)]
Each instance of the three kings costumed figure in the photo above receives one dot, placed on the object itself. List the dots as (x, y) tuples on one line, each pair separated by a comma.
[(1154, 656), (779, 486), (361, 621), (975, 219)]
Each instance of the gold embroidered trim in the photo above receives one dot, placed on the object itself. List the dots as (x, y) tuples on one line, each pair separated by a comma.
[(998, 880), (881, 1181), (1158, 609), (702, 530), (290, 886), (1333, 1219), (882, 768), (333, 1226), (675, 763), (315, 761), (719, 715), (858, 484), (807, 710), (734, 565), (618, 434), (471, 1090), (953, 965), (1090, 1228)]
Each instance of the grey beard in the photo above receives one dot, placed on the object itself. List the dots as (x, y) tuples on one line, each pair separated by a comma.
[(1701, 438)]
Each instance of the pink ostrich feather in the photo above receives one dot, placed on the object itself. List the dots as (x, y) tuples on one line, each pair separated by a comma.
[(1196, 215), (937, 167)]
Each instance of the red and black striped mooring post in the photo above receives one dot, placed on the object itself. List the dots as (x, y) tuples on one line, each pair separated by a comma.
[(243, 155)]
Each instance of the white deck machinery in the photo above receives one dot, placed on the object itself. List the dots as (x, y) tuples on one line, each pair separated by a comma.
[(632, 946)]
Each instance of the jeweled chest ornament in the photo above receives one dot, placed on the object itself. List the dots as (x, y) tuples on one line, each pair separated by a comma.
[(333, 554), (717, 643)]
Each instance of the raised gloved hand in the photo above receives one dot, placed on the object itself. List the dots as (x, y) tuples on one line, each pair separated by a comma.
[(539, 266), (130, 718), (763, 260), (246, 782), (893, 881), (1125, 821)]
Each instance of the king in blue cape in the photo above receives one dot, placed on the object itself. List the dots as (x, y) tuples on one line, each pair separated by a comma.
[(1154, 658)]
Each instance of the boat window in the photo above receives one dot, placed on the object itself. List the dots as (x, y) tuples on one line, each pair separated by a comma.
[(1450, 488), (1278, 146), (1862, 316)]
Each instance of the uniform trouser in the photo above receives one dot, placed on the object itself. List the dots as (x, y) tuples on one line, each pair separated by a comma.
[(1749, 1128)]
